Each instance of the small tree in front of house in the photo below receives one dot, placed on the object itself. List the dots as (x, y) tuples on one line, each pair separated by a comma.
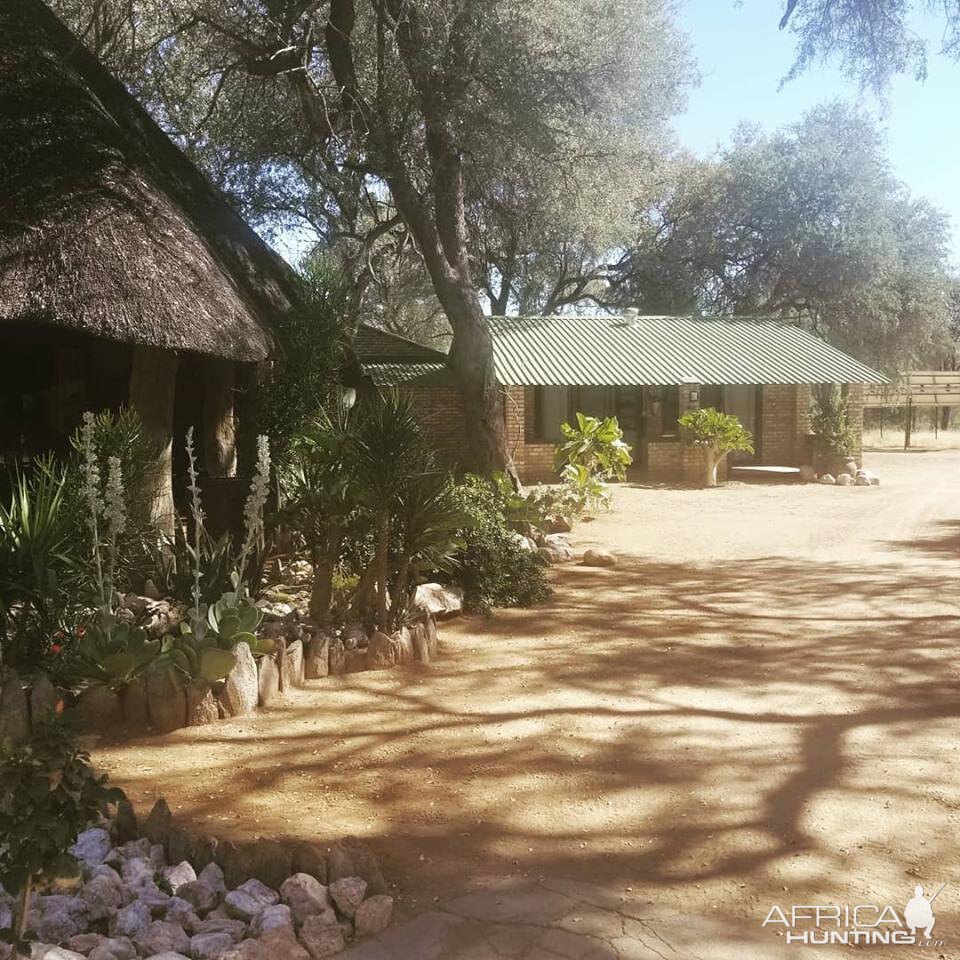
[(48, 794), (717, 434)]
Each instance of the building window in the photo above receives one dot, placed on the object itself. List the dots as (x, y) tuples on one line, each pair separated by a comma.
[(550, 409), (669, 411)]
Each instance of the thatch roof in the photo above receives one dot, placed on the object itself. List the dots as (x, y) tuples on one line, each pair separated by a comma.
[(105, 226)]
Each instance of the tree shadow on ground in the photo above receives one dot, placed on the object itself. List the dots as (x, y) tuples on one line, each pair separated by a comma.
[(668, 723)]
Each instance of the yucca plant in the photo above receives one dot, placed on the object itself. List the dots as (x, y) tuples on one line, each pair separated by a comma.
[(39, 561), (320, 493), (389, 455)]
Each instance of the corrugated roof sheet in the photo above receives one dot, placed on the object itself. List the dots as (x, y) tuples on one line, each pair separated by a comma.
[(661, 351), (395, 374)]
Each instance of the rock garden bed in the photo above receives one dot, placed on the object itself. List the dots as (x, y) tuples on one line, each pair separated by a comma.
[(158, 892)]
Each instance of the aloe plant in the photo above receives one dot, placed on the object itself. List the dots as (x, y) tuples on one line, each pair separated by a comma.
[(113, 653)]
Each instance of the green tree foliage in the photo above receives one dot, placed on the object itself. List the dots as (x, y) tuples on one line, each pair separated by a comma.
[(308, 354), (873, 40), (716, 434), (48, 794), (807, 224), (356, 117)]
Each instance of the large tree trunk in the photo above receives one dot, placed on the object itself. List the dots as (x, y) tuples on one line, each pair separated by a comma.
[(153, 384)]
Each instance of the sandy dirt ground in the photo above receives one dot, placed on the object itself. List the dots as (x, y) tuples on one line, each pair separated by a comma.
[(758, 705)]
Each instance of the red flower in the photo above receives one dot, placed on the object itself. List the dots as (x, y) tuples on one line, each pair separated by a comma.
[(55, 648), (81, 631)]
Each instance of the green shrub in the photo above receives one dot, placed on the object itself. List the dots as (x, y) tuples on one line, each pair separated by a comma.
[(833, 434), (595, 444), (493, 567), (308, 356), (48, 795)]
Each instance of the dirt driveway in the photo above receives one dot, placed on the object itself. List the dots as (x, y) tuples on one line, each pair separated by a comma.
[(758, 705)]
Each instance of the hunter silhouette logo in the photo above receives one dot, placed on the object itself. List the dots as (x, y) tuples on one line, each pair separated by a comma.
[(919, 912), (863, 924)]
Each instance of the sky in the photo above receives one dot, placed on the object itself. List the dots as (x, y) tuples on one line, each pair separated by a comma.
[(742, 56)]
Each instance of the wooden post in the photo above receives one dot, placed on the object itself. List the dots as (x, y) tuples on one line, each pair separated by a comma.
[(153, 384), (219, 434), (881, 423), (908, 426)]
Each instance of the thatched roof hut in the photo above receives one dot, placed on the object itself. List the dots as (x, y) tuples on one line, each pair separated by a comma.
[(105, 226), (107, 231)]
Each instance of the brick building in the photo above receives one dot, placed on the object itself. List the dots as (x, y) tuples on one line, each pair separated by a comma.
[(647, 371)]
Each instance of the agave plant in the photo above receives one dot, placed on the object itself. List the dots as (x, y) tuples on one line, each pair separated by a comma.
[(199, 659)]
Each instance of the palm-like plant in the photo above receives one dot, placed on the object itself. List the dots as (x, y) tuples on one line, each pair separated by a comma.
[(320, 495), (38, 559), (389, 457)]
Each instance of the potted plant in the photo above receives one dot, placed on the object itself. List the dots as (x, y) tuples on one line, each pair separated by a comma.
[(833, 435)]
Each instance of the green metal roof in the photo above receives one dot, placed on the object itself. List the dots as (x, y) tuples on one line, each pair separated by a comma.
[(661, 351), (395, 374)]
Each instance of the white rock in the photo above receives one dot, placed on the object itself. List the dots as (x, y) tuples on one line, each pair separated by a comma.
[(321, 937), (161, 937), (236, 929), (176, 876), (249, 899), (137, 868), (844, 480), (439, 600), (92, 847), (826, 478), (273, 919), (305, 896), (212, 876), (133, 849), (200, 895), (103, 895), (181, 912), (208, 946), (373, 915), (348, 894), (168, 955), (46, 951), (130, 920), (599, 558), (117, 948), (102, 870)]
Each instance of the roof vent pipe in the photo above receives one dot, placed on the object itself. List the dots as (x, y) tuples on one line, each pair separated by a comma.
[(631, 314)]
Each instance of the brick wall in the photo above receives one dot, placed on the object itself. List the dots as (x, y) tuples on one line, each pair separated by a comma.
[(784, 425), (534, 459), (439, 411)]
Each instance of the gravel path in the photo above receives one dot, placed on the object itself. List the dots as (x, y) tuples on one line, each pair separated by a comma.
[(758, 705)]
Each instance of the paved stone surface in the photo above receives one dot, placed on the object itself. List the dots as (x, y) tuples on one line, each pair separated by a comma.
[(564, 920)]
